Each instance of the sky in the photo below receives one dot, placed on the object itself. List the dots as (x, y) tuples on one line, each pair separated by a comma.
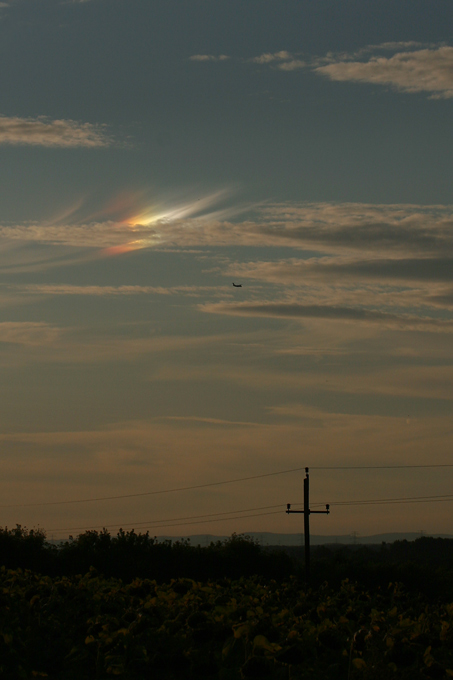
[(151, 155)]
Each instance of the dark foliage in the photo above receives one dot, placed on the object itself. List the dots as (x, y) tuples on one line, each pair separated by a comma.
[(25, 548), (88, 627), (129, 555), (424, 565)]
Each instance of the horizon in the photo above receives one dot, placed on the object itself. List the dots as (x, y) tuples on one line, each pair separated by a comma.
[(226, 254), (268, 539)]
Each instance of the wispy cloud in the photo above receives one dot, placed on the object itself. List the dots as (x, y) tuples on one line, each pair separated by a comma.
[(209, 57), (344, 271), (270, 57), (410, 380), (331, 281), (414, 66), (397, 45), (349, 227), (283, 60), (27, 343), (28, 333), (387, 265), (362, 232), (390, 230), (53, 133), (126, 224), (107, 291), (292, 65), (329, 312), (423, 70), (363, 263)]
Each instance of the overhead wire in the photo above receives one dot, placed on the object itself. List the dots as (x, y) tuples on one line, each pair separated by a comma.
[(219, 517), (153, 493), (400, 499), (176, 519), (223, 482), (182, 524), (378, 467)]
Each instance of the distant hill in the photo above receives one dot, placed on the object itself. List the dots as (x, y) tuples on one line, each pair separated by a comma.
[(267, 538)]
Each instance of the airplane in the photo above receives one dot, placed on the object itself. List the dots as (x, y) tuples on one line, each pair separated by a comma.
[(237, 285)]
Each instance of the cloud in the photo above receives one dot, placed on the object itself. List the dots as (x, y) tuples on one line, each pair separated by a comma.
[(390, 271), (351, 242), (268, 57), (325, 280), (424, 70), (394, 269), (39, 342), (65, 289), (28, 333), (42, 131), (209, 57), (397, 45), (415, 66), (327, 312), (391, 258), (389, 229), (347, 227), (292, 65), (125, 224), (283, 60), (365, 375), (107, 291)]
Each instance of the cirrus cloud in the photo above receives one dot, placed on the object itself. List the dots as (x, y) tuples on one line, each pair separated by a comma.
[(423, 70), (283, 60), (42, 131), (293, 310), (356, 230), (32, 333), (414, 66), (209, 57)]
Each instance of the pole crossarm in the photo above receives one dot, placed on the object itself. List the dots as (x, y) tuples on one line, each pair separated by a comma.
[(310, 512)]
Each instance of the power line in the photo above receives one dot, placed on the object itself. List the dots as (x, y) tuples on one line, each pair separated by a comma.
[(430, 500), (218, 517), (154, 493), (224, 482), (401, 499), (182, 524), (378, 467), (176, 519)]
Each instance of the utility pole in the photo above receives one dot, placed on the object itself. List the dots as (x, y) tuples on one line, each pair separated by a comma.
[(306, 513)]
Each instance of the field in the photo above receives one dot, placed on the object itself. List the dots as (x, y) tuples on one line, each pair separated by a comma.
[(90, 627)]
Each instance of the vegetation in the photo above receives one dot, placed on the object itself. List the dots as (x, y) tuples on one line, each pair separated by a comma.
[(129, 555), (90, 627), (243, 615)]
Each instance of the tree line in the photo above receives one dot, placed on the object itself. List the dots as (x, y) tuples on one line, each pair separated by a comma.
[(128, 555), (424, 565)]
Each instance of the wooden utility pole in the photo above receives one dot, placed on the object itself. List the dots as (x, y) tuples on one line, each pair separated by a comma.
[(306, 513)]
